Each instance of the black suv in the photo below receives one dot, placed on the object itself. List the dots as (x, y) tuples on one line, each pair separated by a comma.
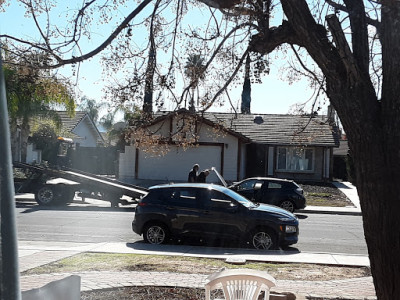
[(280, 192), (211, 212)]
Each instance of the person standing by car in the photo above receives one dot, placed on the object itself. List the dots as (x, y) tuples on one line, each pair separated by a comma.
[(202, 176), (193, 173)]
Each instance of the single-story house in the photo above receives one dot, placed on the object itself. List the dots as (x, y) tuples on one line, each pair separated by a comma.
[(82, 129), (237, 145)]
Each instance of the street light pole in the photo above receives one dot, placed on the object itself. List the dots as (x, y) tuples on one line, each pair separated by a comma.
[(9, 275)]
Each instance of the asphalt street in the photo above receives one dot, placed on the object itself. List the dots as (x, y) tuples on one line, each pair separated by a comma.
[(96, 222)]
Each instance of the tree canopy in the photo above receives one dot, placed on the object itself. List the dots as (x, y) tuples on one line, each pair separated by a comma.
[(347, 48), (31, 93)]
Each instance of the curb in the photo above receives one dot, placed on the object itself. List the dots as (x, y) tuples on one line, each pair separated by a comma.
[(334, 211)]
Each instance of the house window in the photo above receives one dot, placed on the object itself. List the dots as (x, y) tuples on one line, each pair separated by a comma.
[(295, 159)]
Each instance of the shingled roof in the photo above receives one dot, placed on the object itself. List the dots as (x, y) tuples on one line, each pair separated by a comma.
[(69, 123), (272, 129), (278, 129)]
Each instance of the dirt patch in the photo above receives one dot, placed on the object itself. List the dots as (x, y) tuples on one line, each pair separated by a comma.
[(324, 194), (194, 265), (309, 272)]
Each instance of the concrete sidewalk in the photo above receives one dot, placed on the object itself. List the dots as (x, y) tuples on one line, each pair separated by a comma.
[(33, 254)]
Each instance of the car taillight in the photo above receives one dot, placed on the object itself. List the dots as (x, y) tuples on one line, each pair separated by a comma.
[(142, 204)]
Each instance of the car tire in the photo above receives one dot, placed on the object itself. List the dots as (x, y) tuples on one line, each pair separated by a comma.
[(155, 233), (45, 195), (263, 239), (288, 205)]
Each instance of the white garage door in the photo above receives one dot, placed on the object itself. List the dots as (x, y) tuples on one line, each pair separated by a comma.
[(177, 163)]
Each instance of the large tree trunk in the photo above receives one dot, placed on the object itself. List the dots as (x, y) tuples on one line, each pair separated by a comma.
[(371, 124), (379, 189), (375, 151)]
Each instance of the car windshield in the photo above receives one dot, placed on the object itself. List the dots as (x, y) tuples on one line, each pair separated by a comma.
[(242, 200)]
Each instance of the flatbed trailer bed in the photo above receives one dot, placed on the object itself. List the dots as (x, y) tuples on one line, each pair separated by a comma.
[(88, 185)]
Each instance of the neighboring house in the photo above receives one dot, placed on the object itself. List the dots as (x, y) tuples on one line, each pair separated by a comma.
[(238, 146), (82, 129)]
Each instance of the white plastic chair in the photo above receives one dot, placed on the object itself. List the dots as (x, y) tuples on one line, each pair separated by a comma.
[(240, 284)]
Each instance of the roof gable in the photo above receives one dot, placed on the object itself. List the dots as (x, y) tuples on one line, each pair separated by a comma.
[(70, 123), (161, 116)]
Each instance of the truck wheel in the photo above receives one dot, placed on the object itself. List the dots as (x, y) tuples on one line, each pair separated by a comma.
[(45, 196)]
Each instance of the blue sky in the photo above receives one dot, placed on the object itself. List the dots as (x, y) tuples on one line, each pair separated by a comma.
[(273, 96)]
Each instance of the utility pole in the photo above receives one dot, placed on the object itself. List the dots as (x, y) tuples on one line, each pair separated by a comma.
[(9, 275)]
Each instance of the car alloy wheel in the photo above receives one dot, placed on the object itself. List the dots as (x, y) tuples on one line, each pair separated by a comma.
[(262, 239), (288, 205), (155, 234)]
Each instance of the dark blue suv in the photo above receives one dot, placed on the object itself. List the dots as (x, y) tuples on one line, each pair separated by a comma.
[(280, 192), (212, 212)]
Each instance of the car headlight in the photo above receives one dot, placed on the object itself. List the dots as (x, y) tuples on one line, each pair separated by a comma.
[(290, 229)]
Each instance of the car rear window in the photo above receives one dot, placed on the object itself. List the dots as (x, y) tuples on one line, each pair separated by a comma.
[(157, 196), (274, 185)]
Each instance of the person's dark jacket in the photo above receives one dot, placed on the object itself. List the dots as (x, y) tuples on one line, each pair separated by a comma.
[(192, 176), (202, 177)]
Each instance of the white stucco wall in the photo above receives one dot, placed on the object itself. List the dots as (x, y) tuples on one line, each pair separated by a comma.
[(87, 137), (33, 155), (127, 164), (176, 164)]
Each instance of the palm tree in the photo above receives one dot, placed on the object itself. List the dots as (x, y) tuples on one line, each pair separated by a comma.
[(92, 107), (195, 70)]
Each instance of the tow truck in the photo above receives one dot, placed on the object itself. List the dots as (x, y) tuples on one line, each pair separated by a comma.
[(58, 184)]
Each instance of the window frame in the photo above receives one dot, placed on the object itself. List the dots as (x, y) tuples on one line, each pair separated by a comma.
[(291, 151)]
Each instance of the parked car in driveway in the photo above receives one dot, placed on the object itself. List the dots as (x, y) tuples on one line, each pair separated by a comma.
[(211, 212), (280, 192)]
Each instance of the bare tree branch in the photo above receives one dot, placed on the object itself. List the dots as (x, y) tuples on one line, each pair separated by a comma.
[(220, 3), (313, 75), (216, 51), (340, 7), (73, 60), (234, 73)]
